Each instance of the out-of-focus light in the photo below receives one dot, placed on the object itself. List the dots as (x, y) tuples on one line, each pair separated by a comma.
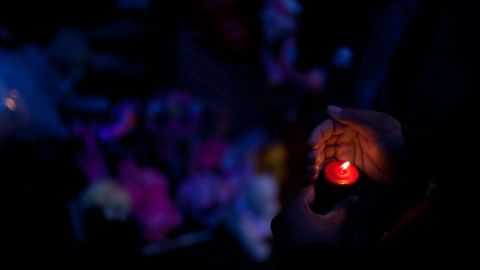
[(343, 57), (10, 103)]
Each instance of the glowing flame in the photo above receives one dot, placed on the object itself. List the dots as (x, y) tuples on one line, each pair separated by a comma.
[(345, 165)]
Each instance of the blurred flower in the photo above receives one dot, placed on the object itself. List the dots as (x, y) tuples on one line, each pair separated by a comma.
[(92, 161), (209, 154), (69, 52), (204, 198), (125, 120), (253, 213), (273, 160), (176, 116), (261, 196), (151, 202), (28, 85), (279, 19), (110, 197)]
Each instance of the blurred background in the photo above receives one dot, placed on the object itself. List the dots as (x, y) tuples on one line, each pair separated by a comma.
[(169, 133)]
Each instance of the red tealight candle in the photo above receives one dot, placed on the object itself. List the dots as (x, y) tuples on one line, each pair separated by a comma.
[(341, 173)]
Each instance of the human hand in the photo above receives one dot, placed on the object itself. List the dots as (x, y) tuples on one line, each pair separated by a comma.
[(371, 140), (298, 224)]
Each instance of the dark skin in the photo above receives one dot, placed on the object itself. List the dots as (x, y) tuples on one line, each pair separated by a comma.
[(298, 224), (371, 140)]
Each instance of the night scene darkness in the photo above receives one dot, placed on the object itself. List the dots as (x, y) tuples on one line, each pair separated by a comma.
[(239, 134)]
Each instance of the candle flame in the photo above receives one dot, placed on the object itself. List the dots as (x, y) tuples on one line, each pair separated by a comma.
[(345, 165)]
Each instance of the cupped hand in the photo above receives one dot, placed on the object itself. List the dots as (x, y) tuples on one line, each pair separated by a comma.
[(371, 140)]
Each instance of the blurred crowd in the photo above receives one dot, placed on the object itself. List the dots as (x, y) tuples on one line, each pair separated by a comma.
[(173, 131)]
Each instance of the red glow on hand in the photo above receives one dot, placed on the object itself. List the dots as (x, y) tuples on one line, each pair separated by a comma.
[(341, 173)]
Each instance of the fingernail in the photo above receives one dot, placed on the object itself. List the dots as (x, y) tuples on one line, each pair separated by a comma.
[(334, 109)]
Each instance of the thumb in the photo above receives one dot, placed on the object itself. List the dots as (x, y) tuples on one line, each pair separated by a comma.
[(306, 196), (360, 120), (339, 213)]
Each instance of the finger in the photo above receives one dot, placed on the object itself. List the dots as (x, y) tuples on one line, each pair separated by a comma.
[(312, 173), (316, 157), (347, 136), (358, 154), (321, 133), (328, 160), (306, 196), (339, 213), (329, 151), (345, 151), (360, 120), (332, 140), (339, 128)]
